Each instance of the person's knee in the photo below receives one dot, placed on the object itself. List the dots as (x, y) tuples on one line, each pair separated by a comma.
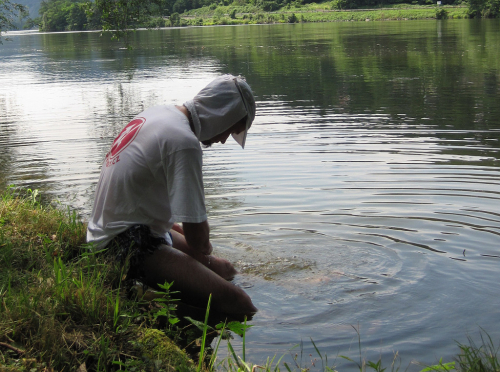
[(242, 304), (247, 305)]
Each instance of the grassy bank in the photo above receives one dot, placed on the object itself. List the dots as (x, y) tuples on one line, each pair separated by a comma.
[(233, 15), (62, 308)]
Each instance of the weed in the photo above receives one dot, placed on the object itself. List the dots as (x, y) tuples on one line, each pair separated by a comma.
[(482, 358), (440, 367)]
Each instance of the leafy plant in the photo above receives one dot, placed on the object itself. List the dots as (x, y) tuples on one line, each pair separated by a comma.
[(168, 308), (440, 367)]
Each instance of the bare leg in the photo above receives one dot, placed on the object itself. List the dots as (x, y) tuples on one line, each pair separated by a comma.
[(220, 266), (196, 282)]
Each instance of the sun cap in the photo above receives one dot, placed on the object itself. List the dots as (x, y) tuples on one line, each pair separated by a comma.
[(249, 102), (220, 105)]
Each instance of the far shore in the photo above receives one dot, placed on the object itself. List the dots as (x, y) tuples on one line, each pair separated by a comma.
[(228, 15), (309, 13)]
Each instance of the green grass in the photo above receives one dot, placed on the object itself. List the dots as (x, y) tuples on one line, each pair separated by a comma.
[(314, 12), (62, 307)]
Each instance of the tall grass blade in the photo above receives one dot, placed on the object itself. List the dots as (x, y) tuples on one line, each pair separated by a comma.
[(244, 335), (276, 369), (214, 354), (235, 357), (204, 337), (321, 357)]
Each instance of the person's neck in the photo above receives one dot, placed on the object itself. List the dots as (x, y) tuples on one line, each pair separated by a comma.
[(186, 112)]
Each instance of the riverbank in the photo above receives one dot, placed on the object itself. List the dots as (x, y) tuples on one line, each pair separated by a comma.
[(234, 15), (63, 308)]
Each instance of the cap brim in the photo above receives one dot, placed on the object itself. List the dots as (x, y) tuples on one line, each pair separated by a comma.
[(242, 136)]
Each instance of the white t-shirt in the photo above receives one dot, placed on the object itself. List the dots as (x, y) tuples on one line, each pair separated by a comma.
[(151, 176)]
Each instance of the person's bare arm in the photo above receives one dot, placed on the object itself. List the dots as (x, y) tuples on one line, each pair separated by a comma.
[(220, 266), (198, 236)]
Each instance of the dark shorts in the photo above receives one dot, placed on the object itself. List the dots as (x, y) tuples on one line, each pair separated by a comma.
[(131, 247)]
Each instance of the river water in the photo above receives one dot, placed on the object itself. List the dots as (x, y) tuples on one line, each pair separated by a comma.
[(368, 196)]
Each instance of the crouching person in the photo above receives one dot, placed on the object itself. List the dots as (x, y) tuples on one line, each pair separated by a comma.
[(152, 177)]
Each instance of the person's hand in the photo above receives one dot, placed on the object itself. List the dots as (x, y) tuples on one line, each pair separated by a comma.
[(221, 267), (208, 250)]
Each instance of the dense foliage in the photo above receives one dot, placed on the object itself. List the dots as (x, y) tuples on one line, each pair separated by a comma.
[(122, 15), (484, 8), (61, 15)]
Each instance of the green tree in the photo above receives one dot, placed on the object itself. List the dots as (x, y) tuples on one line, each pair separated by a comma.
[(476, 7), (9, 13), (484, 8), (76, 18), (122, 16), (492, 9), (62, 15)]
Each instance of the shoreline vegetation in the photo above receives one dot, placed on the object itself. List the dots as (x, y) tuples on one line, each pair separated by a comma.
[(62, 308), (234, 15), (120, 18)]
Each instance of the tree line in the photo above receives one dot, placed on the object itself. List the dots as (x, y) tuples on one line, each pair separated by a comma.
[(121, 15)]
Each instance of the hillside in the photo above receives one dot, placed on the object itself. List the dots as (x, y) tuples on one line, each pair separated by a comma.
[(33, 6)]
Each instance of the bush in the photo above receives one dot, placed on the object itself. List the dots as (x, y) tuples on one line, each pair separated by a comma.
[(219, 12), (342, 4), (484, 8), (224, 21), (181, 5), (232, 14), (492, 9), (270, 6), (292, 18), (175, 20), (441, 13), (156, 22)]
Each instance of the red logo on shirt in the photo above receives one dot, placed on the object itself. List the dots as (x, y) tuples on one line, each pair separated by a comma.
[(125, 138)]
